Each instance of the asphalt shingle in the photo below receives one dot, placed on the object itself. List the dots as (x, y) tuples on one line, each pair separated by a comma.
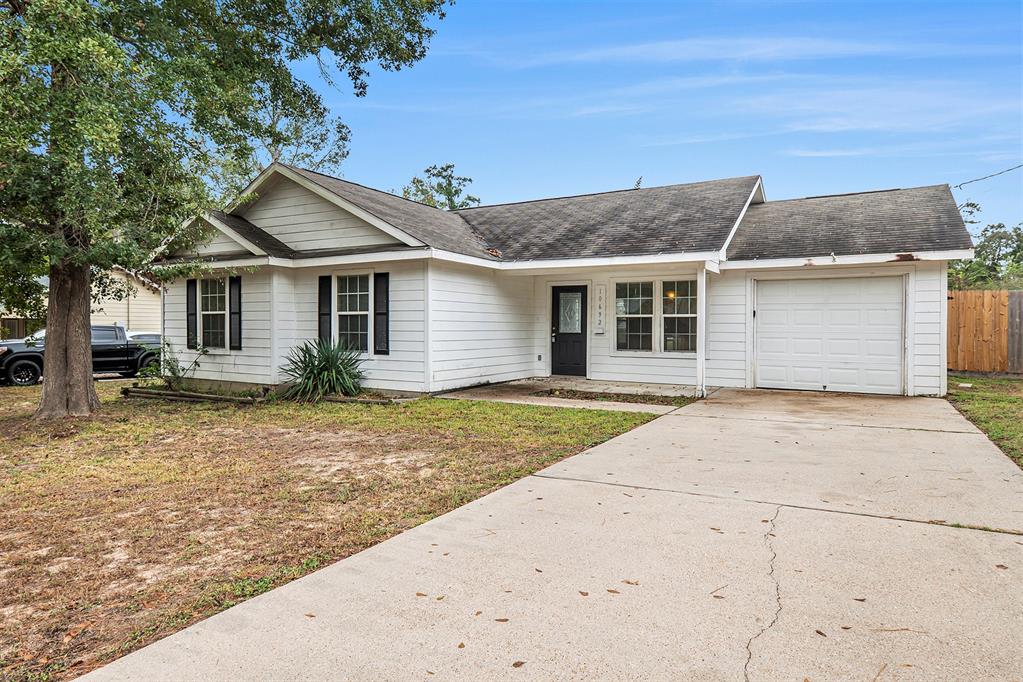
[(432, 226), (258, 236), (691, 217), (887, 221)]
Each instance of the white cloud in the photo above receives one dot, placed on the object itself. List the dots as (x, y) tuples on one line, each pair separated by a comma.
[(754, 49)]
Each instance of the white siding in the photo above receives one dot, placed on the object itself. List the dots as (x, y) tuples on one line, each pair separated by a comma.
[(304, 220), (481, 326), (605, 362), (252, 363), (728, 330), (139, 312), (929, 305), (297, 296), (220, 244)]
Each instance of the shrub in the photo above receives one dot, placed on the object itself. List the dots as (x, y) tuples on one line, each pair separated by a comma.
[(321, 368), (169, 370)]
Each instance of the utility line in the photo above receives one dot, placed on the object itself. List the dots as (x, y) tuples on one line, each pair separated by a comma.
[(1007, 170)]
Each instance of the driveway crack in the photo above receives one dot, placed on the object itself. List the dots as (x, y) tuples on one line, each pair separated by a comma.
[(769, 542)]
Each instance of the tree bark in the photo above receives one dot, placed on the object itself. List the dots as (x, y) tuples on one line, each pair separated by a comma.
[(68, 390)]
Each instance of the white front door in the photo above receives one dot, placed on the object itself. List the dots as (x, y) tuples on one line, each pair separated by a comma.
[(830, 334)]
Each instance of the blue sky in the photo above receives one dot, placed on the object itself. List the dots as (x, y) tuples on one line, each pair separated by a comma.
[(536, 99)]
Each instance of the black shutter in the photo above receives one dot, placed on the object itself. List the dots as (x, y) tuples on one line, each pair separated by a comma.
[(326, 282), (191, 318), (381, 313), (234, 307)]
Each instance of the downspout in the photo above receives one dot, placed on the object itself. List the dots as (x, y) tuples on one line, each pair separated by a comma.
[(701, 331)]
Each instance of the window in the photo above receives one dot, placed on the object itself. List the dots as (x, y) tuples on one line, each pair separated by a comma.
[(104, 335), (634, 315), (213, 313), (678, 305), (353, 311)]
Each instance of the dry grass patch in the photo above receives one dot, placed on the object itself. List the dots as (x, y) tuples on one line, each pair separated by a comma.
[(118, 530)]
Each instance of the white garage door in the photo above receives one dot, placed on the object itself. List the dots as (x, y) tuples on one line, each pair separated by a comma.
[(830, 334)]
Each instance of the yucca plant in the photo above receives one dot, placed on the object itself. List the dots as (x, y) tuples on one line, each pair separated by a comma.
[(320, 368)]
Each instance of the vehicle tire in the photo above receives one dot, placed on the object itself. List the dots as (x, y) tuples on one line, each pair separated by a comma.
[(148, 362), (23, 373)]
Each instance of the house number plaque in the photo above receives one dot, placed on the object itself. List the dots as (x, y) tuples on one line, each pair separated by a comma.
[(599, 307)]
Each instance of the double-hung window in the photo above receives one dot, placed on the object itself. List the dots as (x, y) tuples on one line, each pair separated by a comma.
[(678, 306), (634, 315), (353, 311), (656, 316), (213, 312)]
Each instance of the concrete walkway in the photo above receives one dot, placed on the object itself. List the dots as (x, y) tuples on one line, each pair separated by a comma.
[(754, 535), (532, 392)]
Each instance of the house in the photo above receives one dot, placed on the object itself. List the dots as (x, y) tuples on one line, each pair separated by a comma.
[(140, 311), (705, 284)]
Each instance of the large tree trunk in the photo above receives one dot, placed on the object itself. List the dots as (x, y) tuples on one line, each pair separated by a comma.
[(67, 359)]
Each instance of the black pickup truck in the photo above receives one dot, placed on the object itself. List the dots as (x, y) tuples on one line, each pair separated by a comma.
[(21, 361)]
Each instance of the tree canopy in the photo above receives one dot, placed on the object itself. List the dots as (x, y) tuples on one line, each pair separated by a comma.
[(441, 188), (118, 118), (997, 261)]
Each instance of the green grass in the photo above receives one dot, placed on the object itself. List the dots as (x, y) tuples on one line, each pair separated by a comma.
[(125, 527), (995, 405)]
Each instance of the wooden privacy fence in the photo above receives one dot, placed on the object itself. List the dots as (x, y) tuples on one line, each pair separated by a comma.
[(985, 331)]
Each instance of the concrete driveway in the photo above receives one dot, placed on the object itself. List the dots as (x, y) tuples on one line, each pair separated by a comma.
[(753, 535)]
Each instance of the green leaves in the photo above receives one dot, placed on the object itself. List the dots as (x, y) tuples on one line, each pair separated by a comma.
[(442, 189), (321, 368), (117, 118)]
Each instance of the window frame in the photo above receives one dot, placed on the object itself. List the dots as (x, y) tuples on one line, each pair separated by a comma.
[(695, 284), (657, 346), (652, 314), (335, 323), (200, 316)]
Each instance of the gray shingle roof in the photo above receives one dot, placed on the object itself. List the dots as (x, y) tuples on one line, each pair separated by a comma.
[(432, 226), (888, 221), (257, 235), (691, 217)]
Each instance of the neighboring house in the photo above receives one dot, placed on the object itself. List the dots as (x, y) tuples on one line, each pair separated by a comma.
[(139, 312), (704, 284)]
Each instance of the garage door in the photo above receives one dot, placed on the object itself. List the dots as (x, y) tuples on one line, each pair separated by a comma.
[(830, 334)]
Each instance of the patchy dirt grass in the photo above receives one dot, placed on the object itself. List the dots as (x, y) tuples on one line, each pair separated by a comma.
[(995, 405), (120, 529), (640, 398)]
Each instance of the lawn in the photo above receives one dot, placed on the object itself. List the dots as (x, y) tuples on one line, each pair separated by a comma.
[(995, 405), (118, 530)]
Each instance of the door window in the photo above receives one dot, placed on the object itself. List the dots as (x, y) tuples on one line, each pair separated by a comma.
[(570, 312)]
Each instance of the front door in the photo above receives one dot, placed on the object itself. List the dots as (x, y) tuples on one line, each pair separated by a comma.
[(568, 330)]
